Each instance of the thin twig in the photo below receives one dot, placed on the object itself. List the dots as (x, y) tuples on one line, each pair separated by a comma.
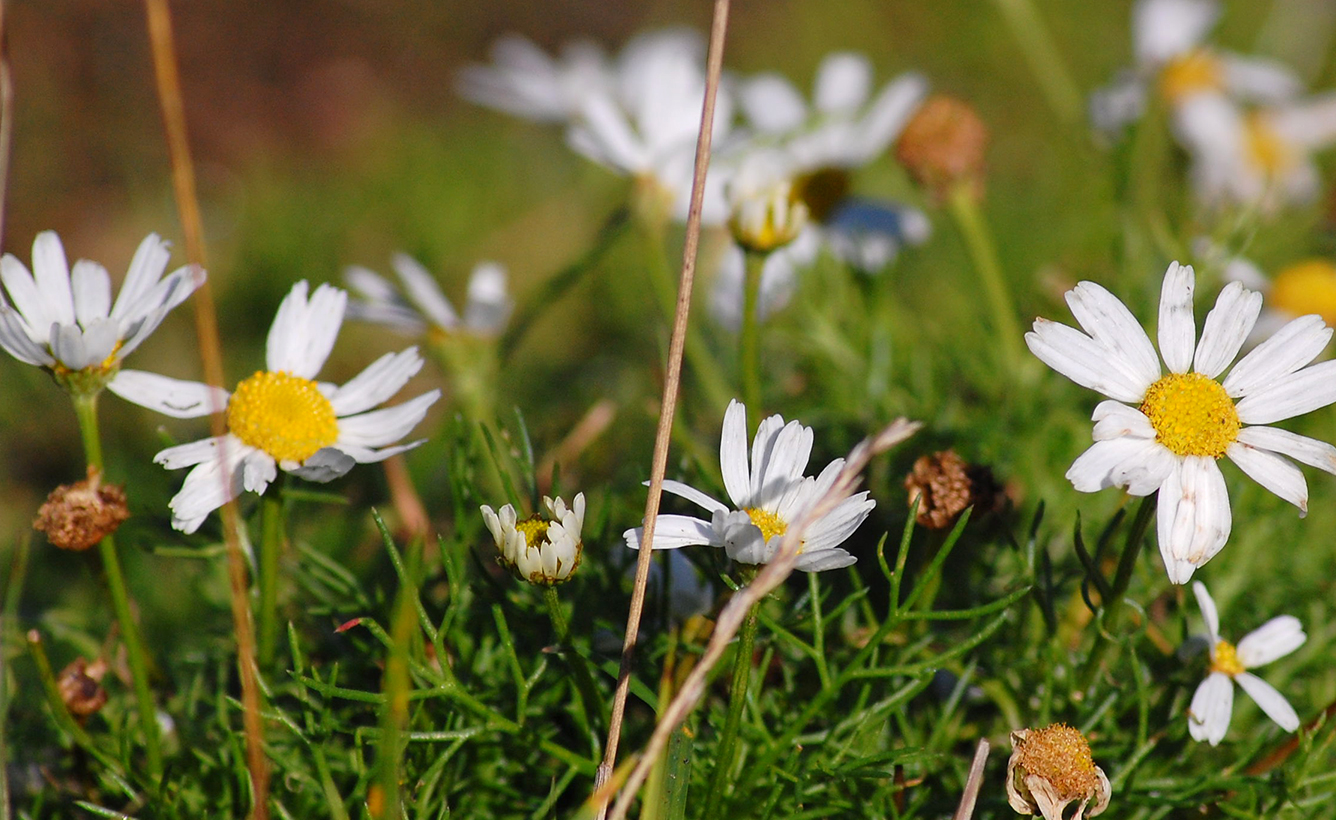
[(731, 618), (672, 380), (206, 328), (972, 783), (6, 119)]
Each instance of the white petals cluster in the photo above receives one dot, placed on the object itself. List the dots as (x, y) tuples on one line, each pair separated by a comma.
[(1114, 356), (768, 491), (523, 81), (543, 549), (64, 319), (1213, 703), (419, 305)]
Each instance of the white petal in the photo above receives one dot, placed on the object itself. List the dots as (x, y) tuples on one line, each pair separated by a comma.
[(325, 465), (258, 469), (1164, 29), (1310, 124), (52, 274), (1209, 614), (764, 441), (1115, 420), (1178, 329), (1273, 472), (28, 301), (673, 531), (1274, 639), (377, 383), (146, 268), (785, 465), (1293, 346), (67, 346), (733, 454), (192, 453), (1272, 702), (843, 82), (372, 455), (172, 397), (1109, 322), (380, 427), (15, 339), (1209, 713), (771, 104), (691, 494), (1302, 449), (303, 333), (1257, 79), (1225, 329), (204, 491), (823, 560), (604, 136), (1194, 522), (91, 287), (887, 115), (835, 527), (1294, 395), (1083, 360), (1095, 469), (424, 292), (489, 303)]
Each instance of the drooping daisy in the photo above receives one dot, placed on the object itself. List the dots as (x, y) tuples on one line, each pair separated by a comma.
[(422, 308), (64, 320), (1213, 703), (768, 496), (280, 417), (1165, 431), (525, 82), (544, 548)]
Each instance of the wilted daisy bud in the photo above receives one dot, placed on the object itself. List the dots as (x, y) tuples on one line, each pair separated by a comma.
[(944, 485), (1052, 767), (80, 687), (542, 549), (765, 211), (77, 516), (943, 145)]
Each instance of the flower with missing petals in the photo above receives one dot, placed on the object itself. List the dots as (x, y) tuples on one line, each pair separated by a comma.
[(1213, 702), (1052, 767), (544, 548), (768, 497), (280, 417), (421, 308), (1166, 431)]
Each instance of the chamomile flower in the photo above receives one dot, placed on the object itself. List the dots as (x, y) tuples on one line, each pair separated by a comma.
[(280, 417), (1213, 702), (544, 548), (523, 81), (63, 319), (768, 496), (1165, 431), (420, 307)]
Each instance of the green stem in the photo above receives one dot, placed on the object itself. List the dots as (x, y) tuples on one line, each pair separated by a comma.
[(737, 698), (584, 679), (964, 205), (1045, 61), (749, 341), (85, 407), (1122, 579), (271, 549)]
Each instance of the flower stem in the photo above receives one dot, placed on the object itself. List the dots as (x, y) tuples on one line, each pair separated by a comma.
[(584, 680), (737, 699), (1044, 59), (85, 407), (749, 341), (271, 549), (964, 204), (1122, 578)]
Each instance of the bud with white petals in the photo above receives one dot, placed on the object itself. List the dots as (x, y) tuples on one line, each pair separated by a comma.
[(543, 548)]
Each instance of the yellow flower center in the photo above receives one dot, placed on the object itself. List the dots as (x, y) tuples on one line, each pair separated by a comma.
[(1192, 73), (1226, 659), (282, 414), (1307, 287), (1060, 755), (1266, 149), (822, 191), (767, 522), (535, 530), (1192, 415)]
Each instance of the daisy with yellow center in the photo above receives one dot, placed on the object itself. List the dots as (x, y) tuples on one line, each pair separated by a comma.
[(1213, 702), (544, 548), (280, 417), (1166, 431), (767, 497)]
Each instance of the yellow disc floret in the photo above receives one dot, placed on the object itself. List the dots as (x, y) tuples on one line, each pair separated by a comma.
[(284, 415), (1060, 755), (1193, 73), (1226, 659), (1266, 150), (534, 529), (767, 522), (1307, 287), (1192, 415)]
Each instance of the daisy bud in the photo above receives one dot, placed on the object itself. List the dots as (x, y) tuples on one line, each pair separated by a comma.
[(943, 145), (77, 516), (944, 485), (80, 687), (1052, 767), (766, 212), (543, 548)]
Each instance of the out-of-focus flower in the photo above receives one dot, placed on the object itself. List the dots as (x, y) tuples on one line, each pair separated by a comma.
[(943, 146), (421, 308), (63, 319), (943, 485), (768, 496), (1303, 288), (77, 516), (1173, 427), (523, 81), (80, 687), (1213, 703), (1052, 767), (281, 417), (764, 211), (543, 548)]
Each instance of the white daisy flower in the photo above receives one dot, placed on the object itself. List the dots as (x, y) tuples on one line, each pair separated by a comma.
[(1213, 703), (280, 417), (543, 548), (1165, 431), (768, 496), (525, 82), (64, 320), (421, 307)]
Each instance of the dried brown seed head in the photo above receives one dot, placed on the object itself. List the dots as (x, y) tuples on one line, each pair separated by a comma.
[(80, 687), (943, 145), (1052, 767), (77, 516), (944, 485)]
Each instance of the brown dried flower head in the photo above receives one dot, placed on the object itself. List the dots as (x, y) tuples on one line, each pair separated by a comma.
[(1052, 767), (77, 516), (943, 145), (80, 687), (944, 485)]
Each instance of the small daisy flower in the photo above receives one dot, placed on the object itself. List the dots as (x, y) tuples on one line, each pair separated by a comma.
[(1213, 703), (280, 417), (525, 82), (421, 308), (64, 320), (543, 548), (1166, 431), (768, 496)]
